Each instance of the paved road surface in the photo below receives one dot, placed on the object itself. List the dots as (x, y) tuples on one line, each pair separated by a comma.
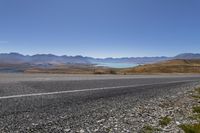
[(57, 103)]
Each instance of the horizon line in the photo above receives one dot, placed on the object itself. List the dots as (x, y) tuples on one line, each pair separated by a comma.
[(87, 56)]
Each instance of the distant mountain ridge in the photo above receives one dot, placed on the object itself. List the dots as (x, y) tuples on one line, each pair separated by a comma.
[(188, 56), (15, 58), (135, 60), (45, 59)]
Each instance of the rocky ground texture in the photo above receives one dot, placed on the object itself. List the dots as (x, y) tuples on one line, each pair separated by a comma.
[(146, 109), (167, 114)]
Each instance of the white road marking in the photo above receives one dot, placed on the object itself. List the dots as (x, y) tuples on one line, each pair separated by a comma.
[(84, 90)]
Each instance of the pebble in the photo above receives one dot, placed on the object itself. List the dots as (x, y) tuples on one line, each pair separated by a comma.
[(81, 131), (67, 130)]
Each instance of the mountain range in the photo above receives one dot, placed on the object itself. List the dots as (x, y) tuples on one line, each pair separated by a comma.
[(45, 59), (16, 58), (15, 62), (188, 56)]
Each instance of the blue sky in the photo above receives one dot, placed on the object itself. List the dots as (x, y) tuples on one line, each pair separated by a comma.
[(100, 28)]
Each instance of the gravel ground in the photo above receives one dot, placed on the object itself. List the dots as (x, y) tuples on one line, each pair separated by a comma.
[(114, 111)]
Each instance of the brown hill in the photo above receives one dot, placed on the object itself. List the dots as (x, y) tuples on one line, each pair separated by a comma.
[(73, 69), (171, 66)]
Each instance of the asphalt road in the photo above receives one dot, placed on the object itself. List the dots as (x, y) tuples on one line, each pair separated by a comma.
[(69, 103)]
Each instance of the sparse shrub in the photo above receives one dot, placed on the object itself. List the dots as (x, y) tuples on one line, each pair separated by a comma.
[(197, 90), (189, 128), (98, 72), (196, 97), (149, 129), (112, 72), (165, 121), (196, 109), (195, 117)]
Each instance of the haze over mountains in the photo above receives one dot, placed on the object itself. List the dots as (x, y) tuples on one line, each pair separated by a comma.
[(44, 59)]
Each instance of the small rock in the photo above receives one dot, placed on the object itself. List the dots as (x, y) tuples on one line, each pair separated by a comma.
[(67, 130), (96, 130), (100, 121), (178, 123), (81, 131)]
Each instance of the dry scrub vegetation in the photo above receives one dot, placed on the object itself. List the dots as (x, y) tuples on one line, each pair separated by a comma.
[(171, 66)]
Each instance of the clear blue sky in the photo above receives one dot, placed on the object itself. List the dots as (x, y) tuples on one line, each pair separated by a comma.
[(100, 28)]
